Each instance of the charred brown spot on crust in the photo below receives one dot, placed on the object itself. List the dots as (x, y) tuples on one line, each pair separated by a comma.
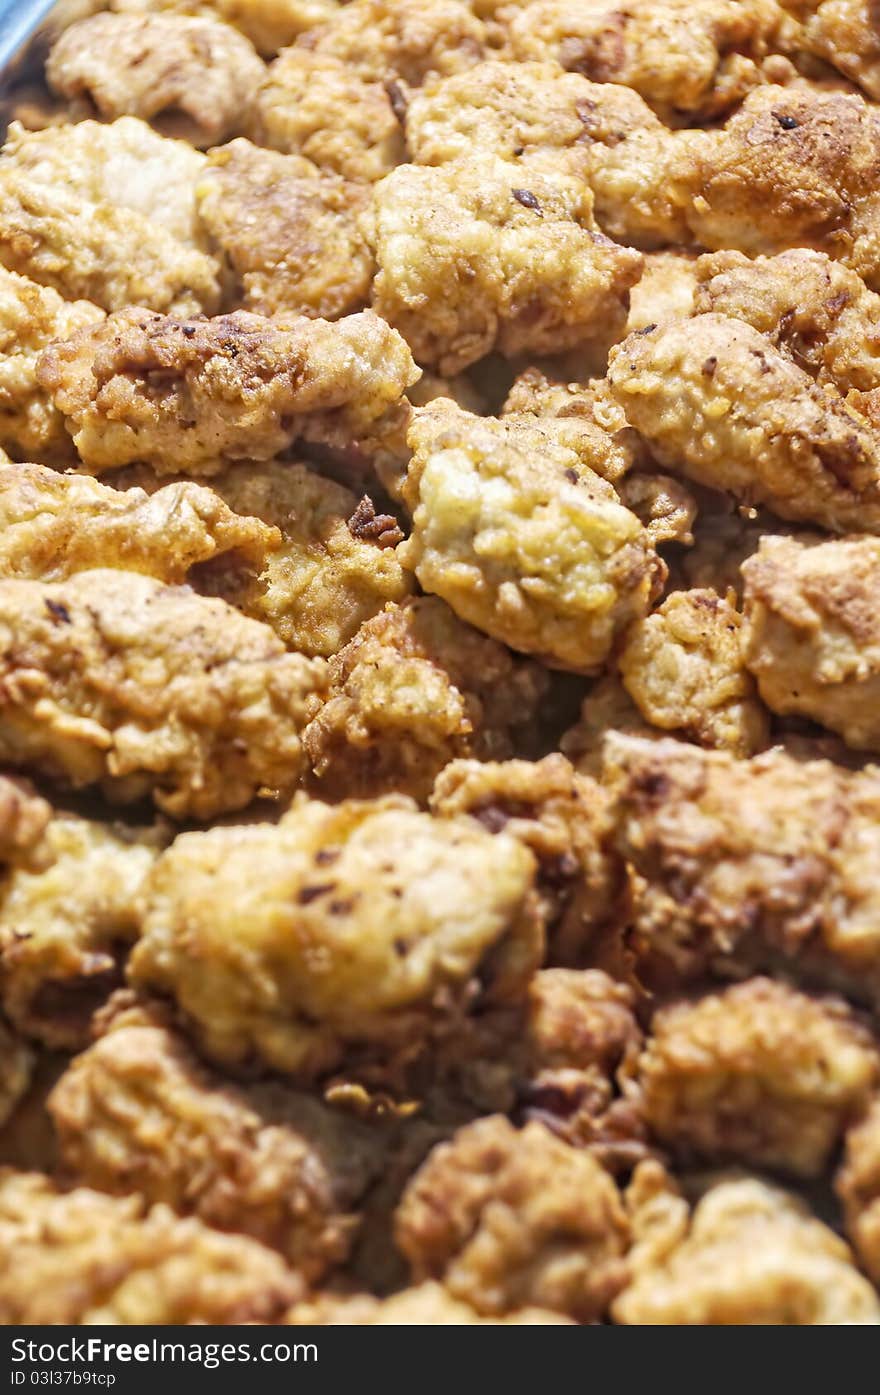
[(58, 611), (527, 199), (788, 123), (308, 894), (397, 98), (367, 525), (708, 369)]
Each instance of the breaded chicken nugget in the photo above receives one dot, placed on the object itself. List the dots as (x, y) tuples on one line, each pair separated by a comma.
[(382, 40), (191, 394), (107, 213), (583, 417), (423, 1305), (521, 539), (665, 290), (269, 24), (191, 77), (842, 32), (858, 1187), (510, 1219), (481, 254), (80, 1257), (111, 678), (415, 688), (368, 928)]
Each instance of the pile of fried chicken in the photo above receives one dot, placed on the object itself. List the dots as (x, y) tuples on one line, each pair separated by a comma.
[(440, 664)]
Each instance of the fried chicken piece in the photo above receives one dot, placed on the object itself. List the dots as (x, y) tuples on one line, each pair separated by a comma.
[(581, 417), (31, 317), (607, 707), (480, 255), (329, 574), (522, 540), (510, 1219), (269, 24), (748, 1254), (666, 508), (368, 928), (191, 394), (312, 104), (816, 310), (424, 1305), (136, 1112), (16, 1071), (748, 865), (665, 291), (414, 689), (712, 398), (289, 231), (192, 77), (67, 918), (80, 1257), (843, 33), (111, 678), (758, 1073), (562, 817), (410, 40), (858, 1187), (691, 60), (52, 525), (683, 669), (107, 213), (812, 632)]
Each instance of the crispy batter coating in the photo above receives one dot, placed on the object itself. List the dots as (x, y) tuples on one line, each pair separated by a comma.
[(607, 707), (683, 669), (80, 1257), (67, 918), (713, 398), (136, 1112), (112, 678), (269, 24), (562, 817), (367, 927), (190, 394), (582, 417), (383, 40), (812, 631), (509, 1219), (31, 317), (858, 1186), (664, 505), (665, 291), (192, 77), (521, 539), (414, 689), (312, 104), (24, 817), (759, 1074), (816, 310), (747, 1255), (289, 230), (843, 33), (52, 525), (333, 569), (481, 254), (691, 60), (749, 864), (424, 1305), (107, 213)]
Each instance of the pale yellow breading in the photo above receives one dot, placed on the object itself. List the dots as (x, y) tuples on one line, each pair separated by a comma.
[(414, 689), (269, 24), (522, 540), (334, 569), (192, 394), (683, 669), (748, 1254), (52, 525), (107, 213), (67, 919), (81, 1257), (350, 934), (288, 230), (509, 1219), (481, 254), (842, 33), (382, 40), (138, 1113), (31, 317), (665, 290), (711, 397), (812, 631), (583, 417), (424, 1305), (312, 104), (112, 679), (758, 1074), (192, 77)]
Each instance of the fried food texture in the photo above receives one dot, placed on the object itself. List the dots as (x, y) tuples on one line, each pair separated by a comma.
[(370, 928), (509, 1219), (409, 40), (811, 634), (191, 394), (415, 688), (522, 540), (424, 1305), (111, 678), (192, 77), (107, 213), (80, 1257), (858, 1188)]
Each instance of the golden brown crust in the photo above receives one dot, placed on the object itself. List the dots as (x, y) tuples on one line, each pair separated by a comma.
[(410, 40), (858, 1187), (423, 1305)]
